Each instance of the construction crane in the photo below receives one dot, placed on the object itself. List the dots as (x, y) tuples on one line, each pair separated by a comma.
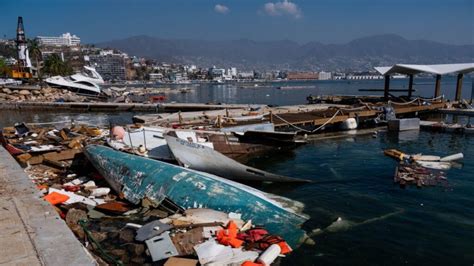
[(23, 67)]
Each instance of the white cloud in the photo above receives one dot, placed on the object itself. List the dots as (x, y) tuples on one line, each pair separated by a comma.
[(221, 9), (283, 8)]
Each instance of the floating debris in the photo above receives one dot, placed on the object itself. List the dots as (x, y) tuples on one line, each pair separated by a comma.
[(413, 174), (427, 161)]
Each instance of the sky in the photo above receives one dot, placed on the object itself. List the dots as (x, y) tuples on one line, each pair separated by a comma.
[(326, 21)]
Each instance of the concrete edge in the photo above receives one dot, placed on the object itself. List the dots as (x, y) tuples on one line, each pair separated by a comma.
[(52, 240)]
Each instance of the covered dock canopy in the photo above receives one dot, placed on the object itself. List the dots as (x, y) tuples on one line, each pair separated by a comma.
[(438, 70)]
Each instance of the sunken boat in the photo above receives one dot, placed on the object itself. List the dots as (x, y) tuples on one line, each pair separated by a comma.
[(203, 158), (239, 146), (137, 177)]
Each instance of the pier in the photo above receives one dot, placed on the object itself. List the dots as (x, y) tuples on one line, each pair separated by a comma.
[(332, 116), (121, 107), (31, 230), (456, 111)]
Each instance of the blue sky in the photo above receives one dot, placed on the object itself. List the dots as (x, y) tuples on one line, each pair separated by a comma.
[(327, 21)]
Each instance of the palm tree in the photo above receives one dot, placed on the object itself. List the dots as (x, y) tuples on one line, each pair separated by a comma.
[(4, 68), (54, 65), (36, 54)]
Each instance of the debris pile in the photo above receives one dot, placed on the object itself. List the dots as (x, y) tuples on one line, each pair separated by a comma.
[(46, 94), (116, 231), (413, 174), (422, 170)]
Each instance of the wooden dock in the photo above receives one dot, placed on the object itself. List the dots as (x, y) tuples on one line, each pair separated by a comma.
[(329, 116), (456, 111), (121, 107)]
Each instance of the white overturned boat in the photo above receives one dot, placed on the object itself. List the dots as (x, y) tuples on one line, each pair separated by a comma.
[(195, 155), (86, 82)]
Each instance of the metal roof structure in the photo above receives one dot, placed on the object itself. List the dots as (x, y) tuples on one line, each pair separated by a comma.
[(440, 69)]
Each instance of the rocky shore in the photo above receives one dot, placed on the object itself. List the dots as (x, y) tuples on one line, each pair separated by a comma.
[(46, 94)]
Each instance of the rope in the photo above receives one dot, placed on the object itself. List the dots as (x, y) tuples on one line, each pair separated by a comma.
[(309, 131), (433, 99), (355, 109), (406, 103), (417, 99)]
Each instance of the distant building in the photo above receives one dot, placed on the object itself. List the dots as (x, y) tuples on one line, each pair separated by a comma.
[(110, 67), (246, 75), (325, 75), (216, 72), (232, 72), (156, 76), (177, 77), (302, 75), (363, 77), (106, 52), (65, 39)]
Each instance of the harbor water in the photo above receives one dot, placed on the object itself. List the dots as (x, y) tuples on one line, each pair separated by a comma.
[(380, 223), (289, 93)]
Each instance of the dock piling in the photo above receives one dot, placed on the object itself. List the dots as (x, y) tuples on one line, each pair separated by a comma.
[(438, 86), (459, 87)]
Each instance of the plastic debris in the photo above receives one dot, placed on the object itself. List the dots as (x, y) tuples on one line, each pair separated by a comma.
[(151, 229), (161, 247), (56, 198)]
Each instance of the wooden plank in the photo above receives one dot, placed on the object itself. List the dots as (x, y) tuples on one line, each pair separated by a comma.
[(62, 155)]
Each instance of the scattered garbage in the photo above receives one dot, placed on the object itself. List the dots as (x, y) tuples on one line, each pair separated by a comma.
[(413, 174), (427, 161), (422, 170), (118, 231)]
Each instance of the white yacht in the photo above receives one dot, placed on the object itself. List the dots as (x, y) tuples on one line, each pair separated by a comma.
[(86, 82)]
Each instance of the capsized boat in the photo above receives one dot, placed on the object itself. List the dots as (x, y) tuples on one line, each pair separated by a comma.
[(196, 156), (86, 82), (137, 177)]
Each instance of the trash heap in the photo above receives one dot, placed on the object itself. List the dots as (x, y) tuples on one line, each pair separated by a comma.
[(422, 170), (413, 174), (118, 232), (46, 94)]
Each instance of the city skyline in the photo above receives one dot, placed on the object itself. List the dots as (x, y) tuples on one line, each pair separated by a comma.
[(301, 21)]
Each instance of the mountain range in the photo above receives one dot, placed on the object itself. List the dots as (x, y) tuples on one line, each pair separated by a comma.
[(359, 54)]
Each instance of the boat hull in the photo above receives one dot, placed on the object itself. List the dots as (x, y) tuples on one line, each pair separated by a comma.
[(137, 177), (202, 158)]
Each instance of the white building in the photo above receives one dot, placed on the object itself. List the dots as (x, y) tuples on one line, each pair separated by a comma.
[(66, 39), (246, 75), (325, 75), (106, 52), (232, 72)]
